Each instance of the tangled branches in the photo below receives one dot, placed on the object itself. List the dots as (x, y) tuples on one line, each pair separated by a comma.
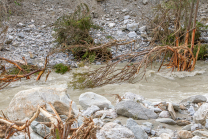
[(6, 78), (111, 74), (59, 128)]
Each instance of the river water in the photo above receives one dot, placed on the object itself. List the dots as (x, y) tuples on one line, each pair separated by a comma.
[(158, 86)]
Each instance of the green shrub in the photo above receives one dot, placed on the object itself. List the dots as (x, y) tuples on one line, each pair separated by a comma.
[(203, 52), (74, 30), (61, 68)]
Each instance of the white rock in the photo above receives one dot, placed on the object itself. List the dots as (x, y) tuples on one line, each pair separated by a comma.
[(25, 103), (126, 17), (143, 29), (132, 34), (90, 110), (133, 26), (165, 136), (111, 25), (132, 96), (114, 131), (125, 10), (89, 98), (126, 21), (145, 2), (164, 114), (98, 122), (200, 114), (121, 33), (110, 113)]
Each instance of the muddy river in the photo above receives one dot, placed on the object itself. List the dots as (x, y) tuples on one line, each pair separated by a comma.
[(158, 86)]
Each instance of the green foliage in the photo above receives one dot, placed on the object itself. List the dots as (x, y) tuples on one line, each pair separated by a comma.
[(109, 37), (203, 52), (26, 68), (74, 29), (79, 81), (61, 68)]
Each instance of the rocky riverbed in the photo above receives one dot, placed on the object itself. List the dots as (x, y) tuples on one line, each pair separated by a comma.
[(132, 117)]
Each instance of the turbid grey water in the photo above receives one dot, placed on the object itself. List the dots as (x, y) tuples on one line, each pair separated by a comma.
[(158, 86)]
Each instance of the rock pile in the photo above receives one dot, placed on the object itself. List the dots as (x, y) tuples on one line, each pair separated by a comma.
[(155, 124)]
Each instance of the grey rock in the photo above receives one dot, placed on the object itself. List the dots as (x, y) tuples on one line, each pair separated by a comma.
[(194, 99), (21, 25), (27, 29), (199, 116), (21, 35), (176, 106), (114, 131), (135, 110), (165, 130), (145, 2), (132, 34), (146, 129), (132, 96), (166, 120), (110, 113), (164, 114), (40, 129), (206, 125), (196, 137), (138, 131), (133, 26), (123, 27), (121, 33), (89, 98), (165, 136), (9, 39), (126, 17), (187, 127), (153, 132), (191, 111), (196, 127), (143, 29), (148, 124), (98, 122), (205, 39), (117, 121), (157, 110), (200, 133), (25, 103), (90, 110), (111, 25)]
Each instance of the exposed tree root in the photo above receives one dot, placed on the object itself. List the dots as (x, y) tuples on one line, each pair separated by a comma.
[(59, 128)]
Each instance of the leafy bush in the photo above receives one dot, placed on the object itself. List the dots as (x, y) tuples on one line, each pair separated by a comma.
[(74, 30), (61, 68), (203, 52)]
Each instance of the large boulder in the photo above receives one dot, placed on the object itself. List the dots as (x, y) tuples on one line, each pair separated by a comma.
[(134, 110), (114, 131), (25, 103), (138, 131), (194, 99), (200, 114), (89, 98)]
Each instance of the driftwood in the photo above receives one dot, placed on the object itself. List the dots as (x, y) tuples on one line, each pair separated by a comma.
[(6, 79), (58, 127)]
